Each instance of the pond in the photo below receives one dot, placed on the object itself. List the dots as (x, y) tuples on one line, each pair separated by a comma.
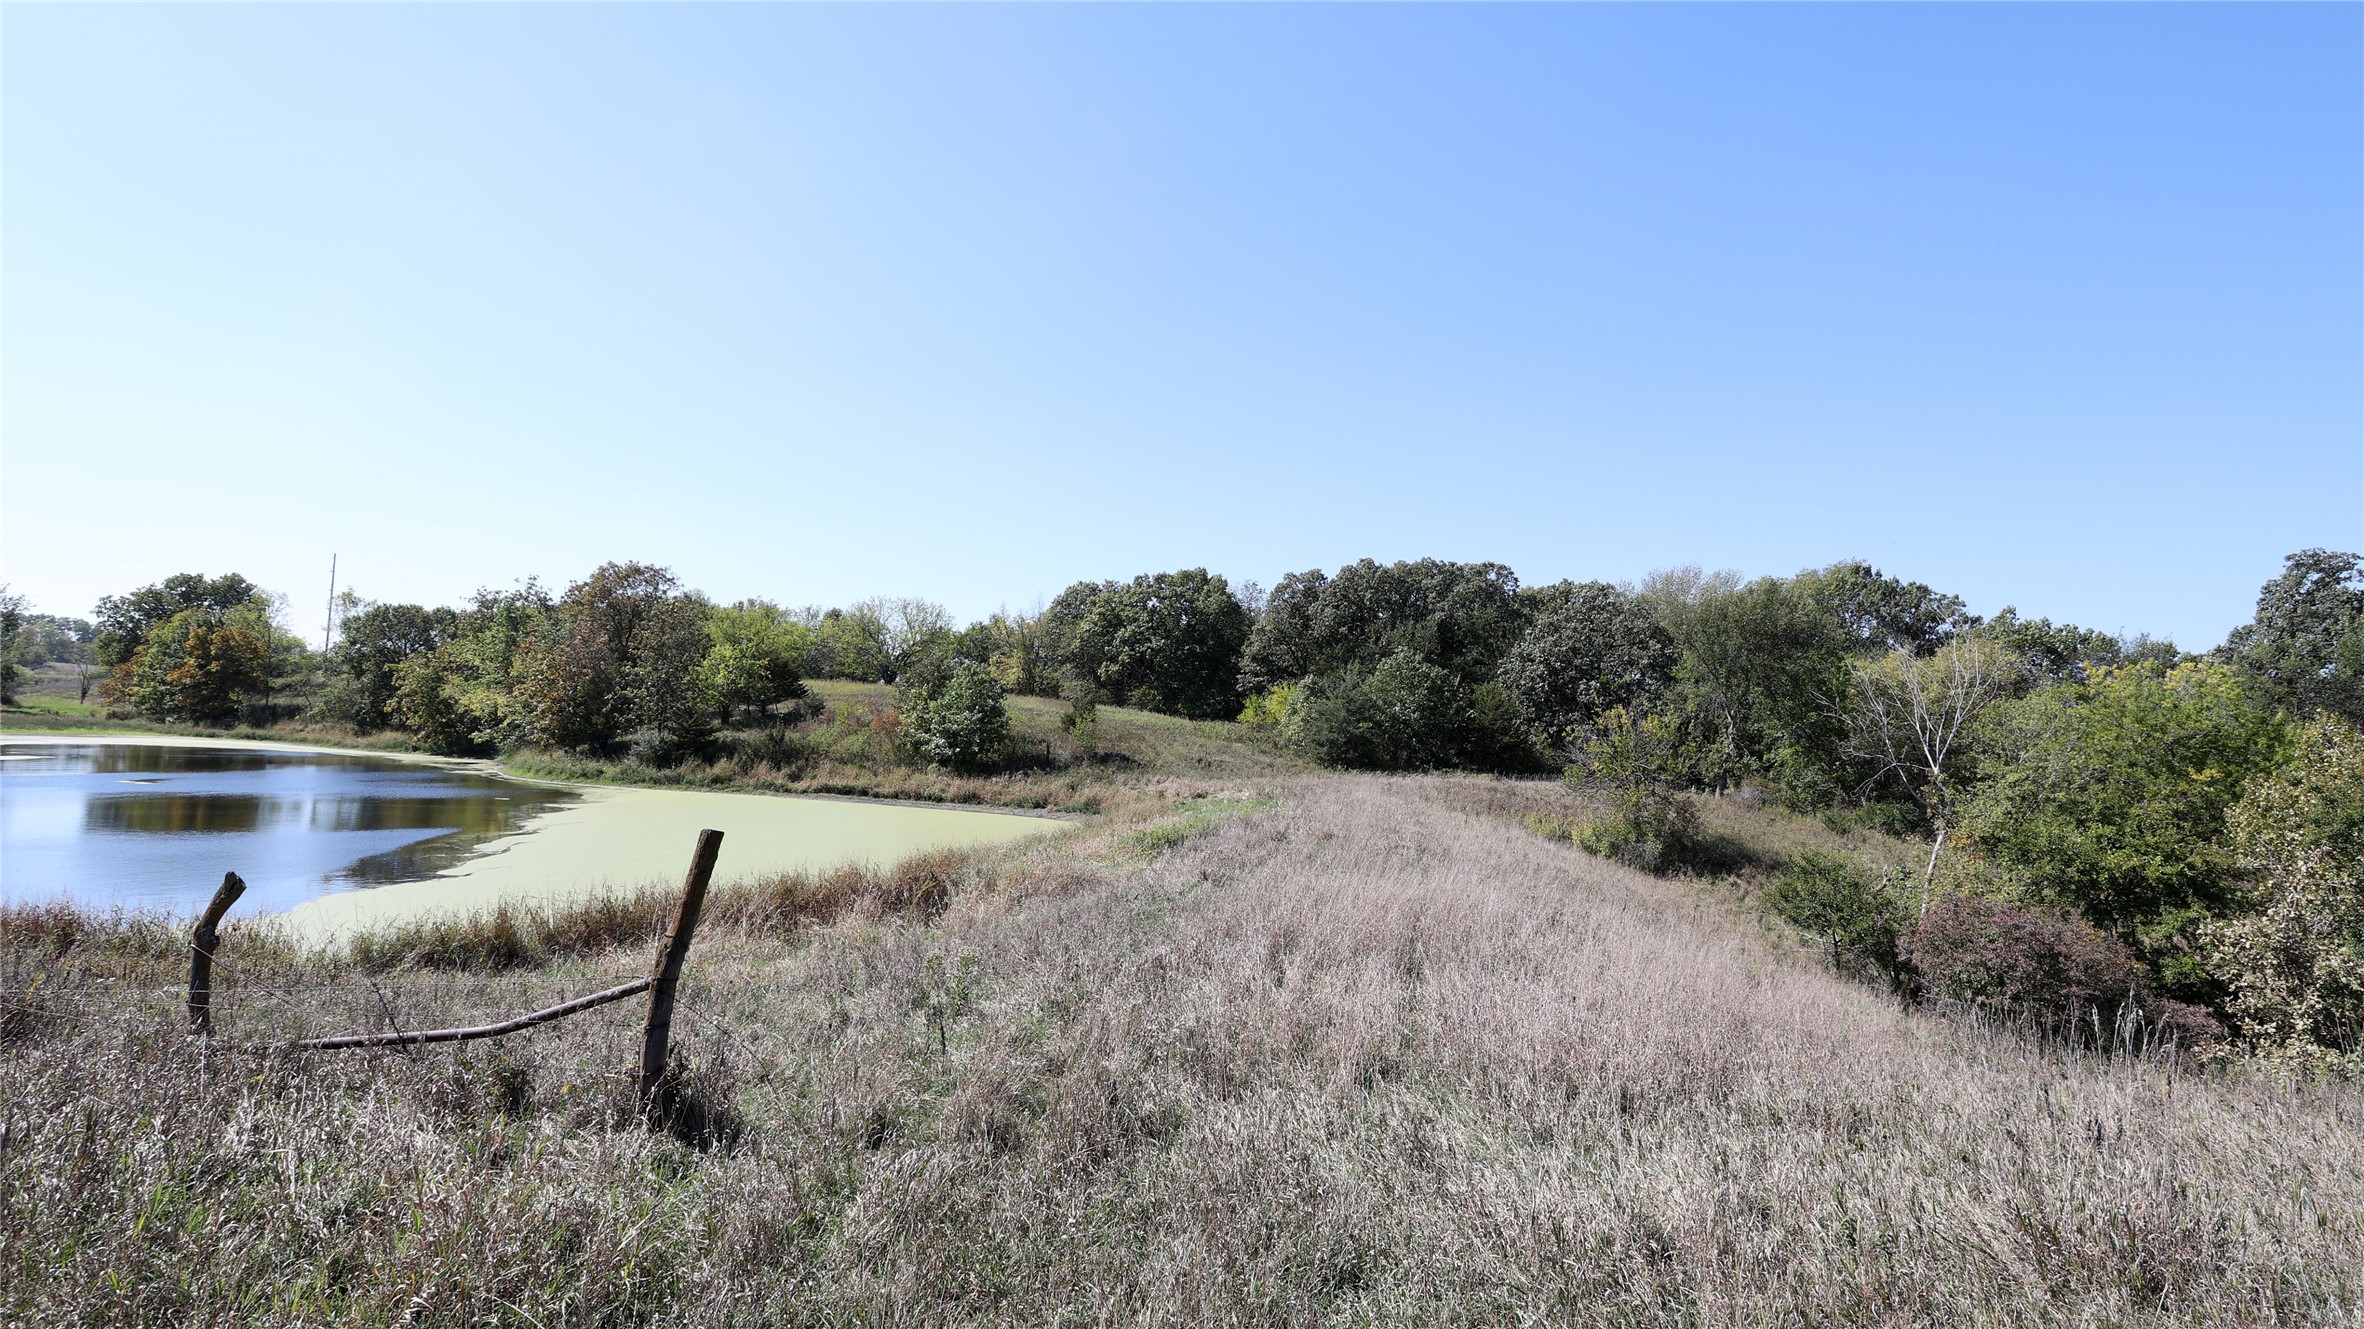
[(345, 838)]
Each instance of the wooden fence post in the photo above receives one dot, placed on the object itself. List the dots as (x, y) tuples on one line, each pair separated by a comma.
[(657, 1035), (201, 954)]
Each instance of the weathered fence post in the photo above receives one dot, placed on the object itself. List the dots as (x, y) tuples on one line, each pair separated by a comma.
[(657, 1035), (201, 953)]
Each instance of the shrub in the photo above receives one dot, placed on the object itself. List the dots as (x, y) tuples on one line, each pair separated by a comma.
[(778, 746), (1832, 896), (1651, 827), (1651, 830), (1404, 715), (1970, 948), (1082, 721), (963, 725), (1270, 708), (1496, 738)]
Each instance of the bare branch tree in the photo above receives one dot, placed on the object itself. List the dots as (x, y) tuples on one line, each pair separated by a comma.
[(1911, 715)]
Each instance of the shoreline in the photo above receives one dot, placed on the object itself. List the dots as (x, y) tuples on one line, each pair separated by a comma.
[(494, 766), (634, 836)]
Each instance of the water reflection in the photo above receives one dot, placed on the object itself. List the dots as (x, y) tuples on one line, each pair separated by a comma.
[(154, 826), (172, 815)]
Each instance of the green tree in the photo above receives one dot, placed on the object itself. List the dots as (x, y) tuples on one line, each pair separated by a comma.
[(1760, 664), (1404, 714), (482, 667), (964, 724), (1460, 617), (50, 639), (370, 646), (1013, 646), (125, 621), (1061, 620), (1588, 647), (756, 658), (2304, 651), (2108, 797), (912, 634), (2295, 966), (1167, 642), (2049, 652), (1880, 613), (12, 623), (201, 666), (430, 701), (852, 644), (619, 655)]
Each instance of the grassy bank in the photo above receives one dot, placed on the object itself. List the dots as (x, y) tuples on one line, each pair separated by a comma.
[(97, 724), (850, 750), (1373, 1055)]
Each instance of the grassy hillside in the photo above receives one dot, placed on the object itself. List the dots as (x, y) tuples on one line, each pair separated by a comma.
[(1374, 1054)]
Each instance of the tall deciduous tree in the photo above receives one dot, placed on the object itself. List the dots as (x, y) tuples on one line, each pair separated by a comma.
[(124, 621), (201, 666), (12, 622), (1588, 647), (1166, 641), (2305, 648), (619, 654), (372, 644), (755, 658), (1880, 613), (1461, 617), (910, 631), (1760, 663)]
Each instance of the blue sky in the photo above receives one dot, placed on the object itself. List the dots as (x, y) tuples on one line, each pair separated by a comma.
[(2059, 306)]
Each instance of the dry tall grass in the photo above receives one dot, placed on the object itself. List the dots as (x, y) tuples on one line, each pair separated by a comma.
[(1371, 1057)]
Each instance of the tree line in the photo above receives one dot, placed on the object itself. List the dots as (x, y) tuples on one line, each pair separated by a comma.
[(2203, 811)]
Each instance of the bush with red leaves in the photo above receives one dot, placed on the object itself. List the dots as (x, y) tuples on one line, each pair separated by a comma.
[(1974, 949)]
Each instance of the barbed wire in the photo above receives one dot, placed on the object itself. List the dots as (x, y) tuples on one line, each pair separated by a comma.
[(38, 1000), (179, 990)]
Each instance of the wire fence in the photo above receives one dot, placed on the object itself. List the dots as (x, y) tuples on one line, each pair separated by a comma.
[(359, 1012)]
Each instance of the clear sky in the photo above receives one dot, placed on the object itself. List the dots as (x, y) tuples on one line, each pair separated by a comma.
[(2060, 306)]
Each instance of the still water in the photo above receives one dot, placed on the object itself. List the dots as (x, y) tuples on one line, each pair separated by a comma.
[(149, 826)]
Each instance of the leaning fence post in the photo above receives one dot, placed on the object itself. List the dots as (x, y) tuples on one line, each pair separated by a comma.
[(657, 1034), (201, 953)]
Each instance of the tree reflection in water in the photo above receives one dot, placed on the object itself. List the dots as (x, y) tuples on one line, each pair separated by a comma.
[(146, 825)]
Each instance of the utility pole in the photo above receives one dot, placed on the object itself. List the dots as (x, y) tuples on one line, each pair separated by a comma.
[(329, 626)]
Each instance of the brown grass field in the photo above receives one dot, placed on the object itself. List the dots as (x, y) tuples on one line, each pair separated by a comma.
[(1360, 1052)]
